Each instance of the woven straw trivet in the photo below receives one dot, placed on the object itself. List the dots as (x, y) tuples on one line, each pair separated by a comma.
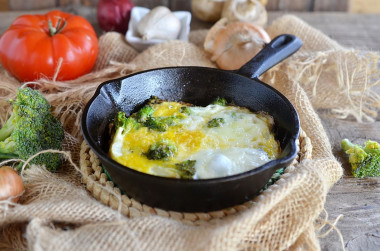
[(104, 190)]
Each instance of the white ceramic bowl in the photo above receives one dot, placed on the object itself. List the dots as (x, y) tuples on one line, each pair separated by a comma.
[(138, 43)]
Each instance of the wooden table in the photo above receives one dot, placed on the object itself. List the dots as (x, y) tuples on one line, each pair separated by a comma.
[(357, 199)]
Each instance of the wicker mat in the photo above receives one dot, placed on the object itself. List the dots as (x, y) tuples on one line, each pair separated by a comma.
[(105, 191)]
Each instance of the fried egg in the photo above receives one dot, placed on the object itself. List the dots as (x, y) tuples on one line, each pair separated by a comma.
[(213, 141)]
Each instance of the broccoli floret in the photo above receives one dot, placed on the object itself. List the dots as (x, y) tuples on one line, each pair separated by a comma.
[(156, 123), (120, 127), (276, 176), (144, 114), (371, 146), (161, 124), (186, 169), (365, 161), (216, 122), (124, 124), (219, 101), (185, 110), (30, 129), (161, 150)]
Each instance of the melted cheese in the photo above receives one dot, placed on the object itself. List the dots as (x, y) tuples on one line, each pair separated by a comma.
[(243, 142)]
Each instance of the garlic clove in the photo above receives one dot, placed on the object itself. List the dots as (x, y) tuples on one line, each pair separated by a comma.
[(159, 23), (246, 11), (237, 43)]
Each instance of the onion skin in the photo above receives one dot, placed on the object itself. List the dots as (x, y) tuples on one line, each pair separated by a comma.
[(232, 44), (114, 15), (251, 11), (11, 184), (207, 10), (236, 43)]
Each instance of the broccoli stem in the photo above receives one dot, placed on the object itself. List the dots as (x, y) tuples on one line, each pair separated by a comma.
[(8, 156), (7, 128), (346, 144)]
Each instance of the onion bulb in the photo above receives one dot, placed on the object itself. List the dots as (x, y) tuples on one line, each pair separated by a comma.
[(233, 44), (207, 10), (159, 23), (246, 11), (114, 15), (210, 37), (11, 185)]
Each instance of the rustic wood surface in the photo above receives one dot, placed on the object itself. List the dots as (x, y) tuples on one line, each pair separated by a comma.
[(362, 6), (358, 200), (356, 6)]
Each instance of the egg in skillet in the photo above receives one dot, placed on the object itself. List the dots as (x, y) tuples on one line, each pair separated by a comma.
[(177, 140)]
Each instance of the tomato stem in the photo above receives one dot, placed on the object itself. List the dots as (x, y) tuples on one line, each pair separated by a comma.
[(58, 28)]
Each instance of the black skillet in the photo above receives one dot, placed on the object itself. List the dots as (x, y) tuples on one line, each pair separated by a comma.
[(198, 86)]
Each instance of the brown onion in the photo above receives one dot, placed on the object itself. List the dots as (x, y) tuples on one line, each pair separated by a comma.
[(232, 44), (11, 185)]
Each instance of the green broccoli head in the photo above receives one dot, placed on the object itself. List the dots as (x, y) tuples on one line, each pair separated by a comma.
[(371, 146), (216, 122), (161, 150), (370, 167), (144, 113), (185, 110), (186, 169), (28, 101), (365, 161), (219, 101), (161, 124), (30, 129), (124, 123)]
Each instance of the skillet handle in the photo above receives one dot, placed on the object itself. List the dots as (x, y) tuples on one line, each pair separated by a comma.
[(273, 53)]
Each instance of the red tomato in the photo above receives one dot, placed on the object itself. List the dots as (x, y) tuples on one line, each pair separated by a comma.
[(34, 44)]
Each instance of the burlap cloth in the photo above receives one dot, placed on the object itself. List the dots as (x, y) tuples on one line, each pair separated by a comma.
[(56, 212)]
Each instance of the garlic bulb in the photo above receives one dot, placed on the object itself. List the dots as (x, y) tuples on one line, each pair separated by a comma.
[(245, 10), (159, 23), (207, 10)]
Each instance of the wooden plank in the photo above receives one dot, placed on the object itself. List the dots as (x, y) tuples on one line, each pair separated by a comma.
[(289, 5), (4, 5), (272, 5), (180, 5), (93, 3), (31, 5), (330, 5), (152, 3), (363, 29), (364, 6)]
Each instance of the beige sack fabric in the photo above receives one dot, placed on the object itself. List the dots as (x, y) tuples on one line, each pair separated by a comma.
[(56, 212)]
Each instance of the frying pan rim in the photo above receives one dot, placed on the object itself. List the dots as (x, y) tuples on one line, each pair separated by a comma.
[(271, 164)]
